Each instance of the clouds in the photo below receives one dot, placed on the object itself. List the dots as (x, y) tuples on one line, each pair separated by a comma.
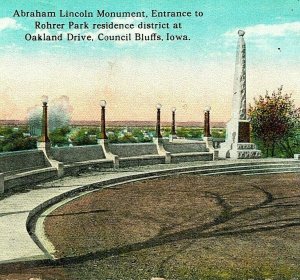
[(268, 30), (9, 23), (265, 40)]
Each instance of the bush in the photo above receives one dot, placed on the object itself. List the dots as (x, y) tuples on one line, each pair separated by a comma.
[(59, 137), (83, 137), (189, 132), (14, 140)]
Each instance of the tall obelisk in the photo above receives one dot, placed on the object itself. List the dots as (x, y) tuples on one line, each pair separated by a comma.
[(239, 85), (237, 143)]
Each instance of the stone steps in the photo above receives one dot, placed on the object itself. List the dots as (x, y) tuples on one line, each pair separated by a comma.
[(246, 169), (276, 171), (257, 171)]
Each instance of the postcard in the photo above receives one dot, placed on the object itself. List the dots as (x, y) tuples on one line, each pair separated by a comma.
[(149, 139)]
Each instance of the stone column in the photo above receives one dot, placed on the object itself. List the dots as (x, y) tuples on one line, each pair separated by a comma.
[(207, 122), (158, 133), (44, 141), (45, 137), (173, 132), (103, 129)]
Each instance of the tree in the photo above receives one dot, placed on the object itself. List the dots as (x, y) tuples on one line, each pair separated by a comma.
[(275, 119), (59, 136), (14, 139), (82, 137), (59, 115)]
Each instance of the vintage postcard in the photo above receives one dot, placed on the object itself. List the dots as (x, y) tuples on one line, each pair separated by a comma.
[(150, 139)]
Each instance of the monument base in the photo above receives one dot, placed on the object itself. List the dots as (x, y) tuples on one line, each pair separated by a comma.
[(244, 150), (239, 151), (241, 147)]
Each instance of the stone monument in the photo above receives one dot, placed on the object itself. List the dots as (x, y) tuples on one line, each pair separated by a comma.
[(237, 143)]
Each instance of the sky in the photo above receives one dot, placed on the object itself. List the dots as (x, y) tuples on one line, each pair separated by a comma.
[(134, 76)]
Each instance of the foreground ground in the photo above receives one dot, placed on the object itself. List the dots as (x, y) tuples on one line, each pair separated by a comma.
[(180, 227)]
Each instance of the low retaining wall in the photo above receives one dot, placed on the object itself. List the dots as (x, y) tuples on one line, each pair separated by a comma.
[(189, 157), (140, 161), (185, 150), (92, 165), (30, 167), (178, 148), (22, 160), (24, 168), (133, 149), (29, 178), (137, 154), (77, 153), (80, 159)]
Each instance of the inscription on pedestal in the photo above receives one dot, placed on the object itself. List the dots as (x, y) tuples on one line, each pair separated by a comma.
[(244, 132)]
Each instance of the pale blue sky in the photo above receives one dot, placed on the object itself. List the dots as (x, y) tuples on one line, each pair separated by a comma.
[(272, 38), (207, 33)]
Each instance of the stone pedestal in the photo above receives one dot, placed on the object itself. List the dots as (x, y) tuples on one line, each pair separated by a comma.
[(172, 137), (108, 154), (209, 144), (161, 150), (44, 146)]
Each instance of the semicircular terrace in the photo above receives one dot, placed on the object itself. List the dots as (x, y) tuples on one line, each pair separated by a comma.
[(19, 211)]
